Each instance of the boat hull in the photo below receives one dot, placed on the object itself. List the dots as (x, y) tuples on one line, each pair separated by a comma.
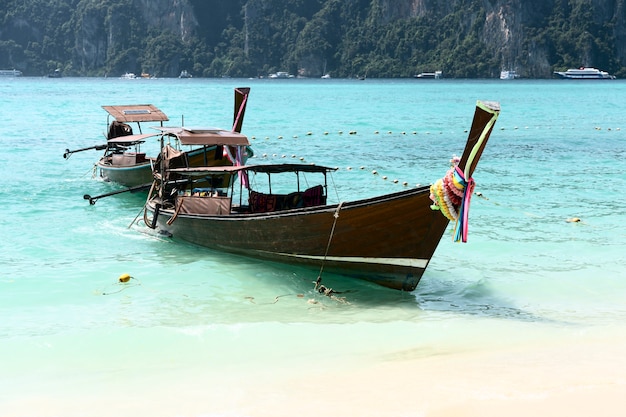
[(125, 171), (388, 240), (128, 176)]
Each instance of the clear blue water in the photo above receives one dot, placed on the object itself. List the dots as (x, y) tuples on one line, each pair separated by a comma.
[(557, 152)]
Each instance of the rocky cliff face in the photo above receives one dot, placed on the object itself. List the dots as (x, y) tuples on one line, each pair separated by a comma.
[(530, 36), (175, 15)]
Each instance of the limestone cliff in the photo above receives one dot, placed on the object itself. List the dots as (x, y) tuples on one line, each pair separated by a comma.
[(381, 38)]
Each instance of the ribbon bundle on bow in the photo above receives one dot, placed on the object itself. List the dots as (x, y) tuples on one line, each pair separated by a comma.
[(452, 194)]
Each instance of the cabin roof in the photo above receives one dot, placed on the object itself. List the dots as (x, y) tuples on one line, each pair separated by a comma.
[(206, 136), (278, 168), (269, 168), (136, 113), (131, 139)]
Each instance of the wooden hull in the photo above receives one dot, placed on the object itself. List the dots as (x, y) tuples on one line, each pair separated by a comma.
[(125, 171), (128, 176), (388, 240)]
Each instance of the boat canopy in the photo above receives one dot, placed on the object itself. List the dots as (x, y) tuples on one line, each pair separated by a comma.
[(269, 168), (278, 168), (209, 136), (131, 139), (136, 113)]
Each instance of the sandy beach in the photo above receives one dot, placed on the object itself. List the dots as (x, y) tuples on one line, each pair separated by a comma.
[(579, 375)]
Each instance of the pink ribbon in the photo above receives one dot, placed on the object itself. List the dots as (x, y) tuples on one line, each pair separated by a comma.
[(463, 220)]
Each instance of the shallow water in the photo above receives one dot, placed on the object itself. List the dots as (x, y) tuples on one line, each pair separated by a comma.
[(526, 276)]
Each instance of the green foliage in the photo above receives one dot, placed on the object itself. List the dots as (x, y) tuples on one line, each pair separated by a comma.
[(348, 38)]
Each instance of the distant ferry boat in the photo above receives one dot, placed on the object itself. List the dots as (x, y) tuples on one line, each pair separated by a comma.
[(429, 75), (10, 73), (584, 73), (508, 75)]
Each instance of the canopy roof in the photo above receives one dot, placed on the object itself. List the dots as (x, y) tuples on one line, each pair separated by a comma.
[(206, 136), (136, 113), (270, 168), (131, 139)]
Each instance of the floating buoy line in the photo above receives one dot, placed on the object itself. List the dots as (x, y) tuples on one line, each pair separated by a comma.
[(382, 132), (363, 168)]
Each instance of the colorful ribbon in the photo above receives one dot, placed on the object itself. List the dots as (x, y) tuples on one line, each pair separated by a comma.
[(461, 226), (452, 195)]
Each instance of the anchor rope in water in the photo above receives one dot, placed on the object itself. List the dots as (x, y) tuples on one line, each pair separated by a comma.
[(319, 287)]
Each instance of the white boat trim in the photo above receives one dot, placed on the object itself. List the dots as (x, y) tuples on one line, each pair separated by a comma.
[(406, 262)]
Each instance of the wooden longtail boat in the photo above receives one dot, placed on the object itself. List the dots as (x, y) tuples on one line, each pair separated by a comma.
[(388, 240), (134, 169), (123, 161)]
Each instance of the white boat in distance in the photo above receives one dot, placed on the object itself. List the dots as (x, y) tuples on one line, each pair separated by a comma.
[(281, 74), (508, 75), (584, 73), (11, 73), (430, 75)]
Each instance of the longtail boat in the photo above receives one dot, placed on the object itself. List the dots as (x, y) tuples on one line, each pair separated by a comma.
[(125, 164), (123, 161), (388, 239)]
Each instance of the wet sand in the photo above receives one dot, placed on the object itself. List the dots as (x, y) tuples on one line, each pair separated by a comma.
[(581, 376)]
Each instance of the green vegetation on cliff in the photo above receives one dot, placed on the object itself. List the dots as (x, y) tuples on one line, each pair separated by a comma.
[(373, 38)]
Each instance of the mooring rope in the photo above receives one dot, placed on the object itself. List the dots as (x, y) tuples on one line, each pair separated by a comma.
[(319, 287)]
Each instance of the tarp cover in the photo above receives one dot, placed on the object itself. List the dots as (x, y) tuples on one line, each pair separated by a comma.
[(136, 113), (209, 136)]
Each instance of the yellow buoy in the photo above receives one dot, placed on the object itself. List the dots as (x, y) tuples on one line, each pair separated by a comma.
[(124, 278)]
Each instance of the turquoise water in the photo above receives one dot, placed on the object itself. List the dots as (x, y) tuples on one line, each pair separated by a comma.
[(68, 329)]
